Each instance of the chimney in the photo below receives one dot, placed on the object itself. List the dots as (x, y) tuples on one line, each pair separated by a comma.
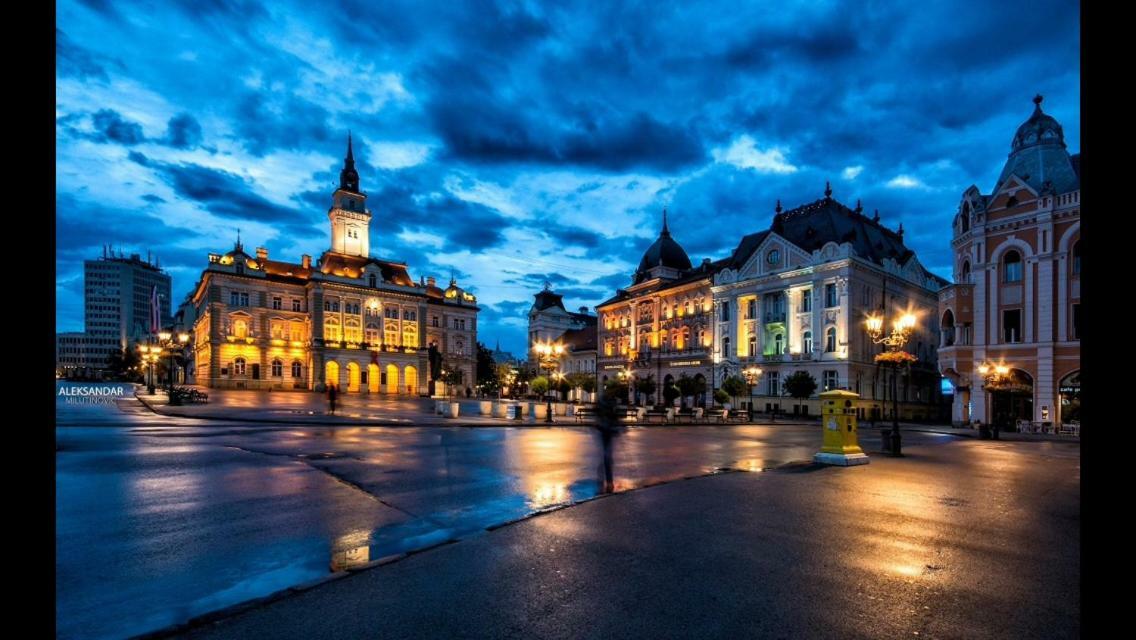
[(261, 253), (430, 281), (306, 261), (583, 310)]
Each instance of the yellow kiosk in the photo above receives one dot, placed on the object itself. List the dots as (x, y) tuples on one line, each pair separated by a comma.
[(838, 420)]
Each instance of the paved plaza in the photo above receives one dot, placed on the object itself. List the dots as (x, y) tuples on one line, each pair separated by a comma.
[(180, 517)]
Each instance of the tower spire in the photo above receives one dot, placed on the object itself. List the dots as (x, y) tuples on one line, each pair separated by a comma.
[(349, 177), (665, 231), (827, 189), (777, 209)]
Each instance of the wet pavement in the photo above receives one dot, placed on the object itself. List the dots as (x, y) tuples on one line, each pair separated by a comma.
[(160, 519)]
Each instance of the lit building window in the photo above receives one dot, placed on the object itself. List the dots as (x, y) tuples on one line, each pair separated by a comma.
[(830, 340), (239, 367), (807, 341), (240, 328), (331, 330), (830, 380), (1012, 267), (277, 369), (297, 369)]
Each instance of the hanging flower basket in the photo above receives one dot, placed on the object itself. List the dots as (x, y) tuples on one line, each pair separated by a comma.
[(896, 358)]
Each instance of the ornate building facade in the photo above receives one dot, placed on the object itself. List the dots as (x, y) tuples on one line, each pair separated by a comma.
[(661, 325), (550, 321), (348, 319), (1016, 301), (795, 297)]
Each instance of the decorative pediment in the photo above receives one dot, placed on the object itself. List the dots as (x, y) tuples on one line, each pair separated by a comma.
[(726, 276), (775, 253)]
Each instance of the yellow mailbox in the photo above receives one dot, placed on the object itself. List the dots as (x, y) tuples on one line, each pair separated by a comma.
[(838, 422)]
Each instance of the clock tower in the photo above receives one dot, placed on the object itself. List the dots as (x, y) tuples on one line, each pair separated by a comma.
[(350, 219)]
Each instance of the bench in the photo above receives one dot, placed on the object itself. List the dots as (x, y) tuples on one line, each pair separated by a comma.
[(660, 413), (714, 414), (584, 413)]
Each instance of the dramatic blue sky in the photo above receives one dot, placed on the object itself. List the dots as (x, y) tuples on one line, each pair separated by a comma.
[(513, 143)]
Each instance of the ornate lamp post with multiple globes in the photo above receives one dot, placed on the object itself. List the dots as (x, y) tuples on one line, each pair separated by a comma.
[(149, 355), (751, 374), (894, 357), (549, 355), (167, 341)]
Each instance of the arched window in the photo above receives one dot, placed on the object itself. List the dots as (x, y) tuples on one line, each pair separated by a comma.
[(239, 367), (689, 307), (830, 339), (752, 345), (1077, 258), (277, 368), (965, 271), (331, 329), (297, 369), (778, 344), (807, 342), (372, 281), (1012, 267)]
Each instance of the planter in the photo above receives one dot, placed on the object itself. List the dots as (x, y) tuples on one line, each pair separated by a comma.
[(698, 412), (455, 409), (485, 408), (559, 408), (539, 410), (500, 409)]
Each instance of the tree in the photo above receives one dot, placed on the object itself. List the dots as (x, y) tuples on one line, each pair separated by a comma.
[(616, 388), (720, 396), (123, 364), (646, 386), (670, 392), (589, 383), (563, 387), (503, 376), (486, 367), (539, 385), (453, 379), (735, 386), (800, 385), (687, 386)]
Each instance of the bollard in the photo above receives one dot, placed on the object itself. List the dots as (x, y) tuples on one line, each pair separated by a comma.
[(838, 421)]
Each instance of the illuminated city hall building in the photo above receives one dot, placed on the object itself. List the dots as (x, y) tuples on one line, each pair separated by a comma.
[(350, 319), (1011, 323), (795, 297)]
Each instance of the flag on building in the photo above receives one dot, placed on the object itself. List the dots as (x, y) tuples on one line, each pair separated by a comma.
[(155, 311)]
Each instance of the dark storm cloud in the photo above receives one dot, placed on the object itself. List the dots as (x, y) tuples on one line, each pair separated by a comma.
[(183, 131), (514, 95), (268, 121), (221, 193), (110, 126), (73, 60)]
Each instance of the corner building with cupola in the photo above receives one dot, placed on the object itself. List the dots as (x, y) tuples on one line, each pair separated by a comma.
[(1016, 298), (349, 319)]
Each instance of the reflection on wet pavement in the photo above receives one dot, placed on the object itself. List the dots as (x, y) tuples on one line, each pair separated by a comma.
[(163, 519)]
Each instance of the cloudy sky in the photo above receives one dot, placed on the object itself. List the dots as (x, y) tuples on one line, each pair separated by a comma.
[(517, 143)]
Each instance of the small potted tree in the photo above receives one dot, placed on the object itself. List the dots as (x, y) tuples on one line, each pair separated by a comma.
[(800, 385)]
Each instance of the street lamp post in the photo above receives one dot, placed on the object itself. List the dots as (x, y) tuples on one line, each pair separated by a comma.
[(549, 356), (902, 329), (751, 373)]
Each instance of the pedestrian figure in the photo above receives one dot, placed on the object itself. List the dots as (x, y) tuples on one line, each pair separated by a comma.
[(331, 393), (607, 423)]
